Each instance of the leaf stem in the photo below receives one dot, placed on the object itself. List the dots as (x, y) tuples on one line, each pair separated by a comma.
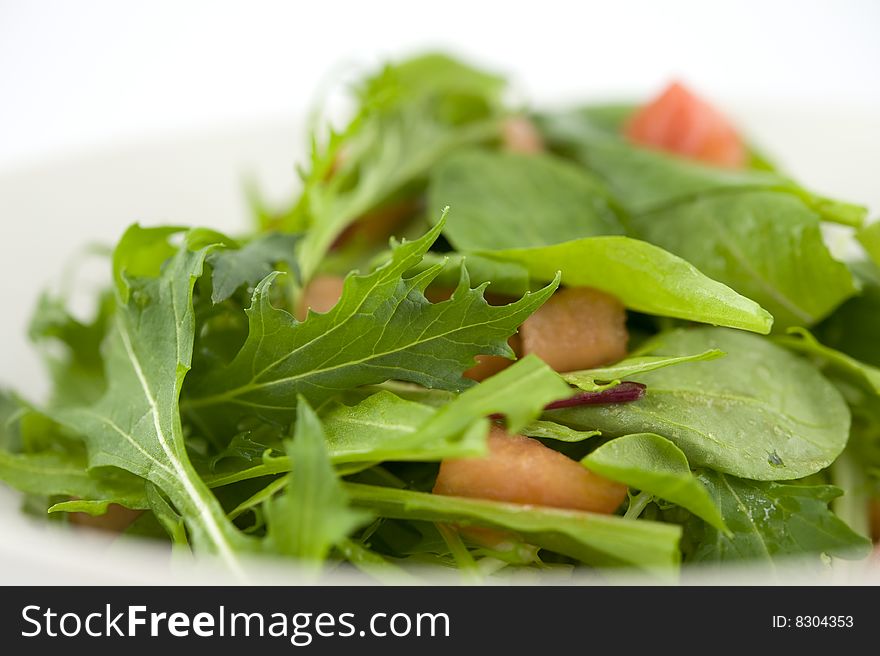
[(469, 568), (637, 504)]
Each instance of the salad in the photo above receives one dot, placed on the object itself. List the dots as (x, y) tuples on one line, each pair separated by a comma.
[(483, 338)]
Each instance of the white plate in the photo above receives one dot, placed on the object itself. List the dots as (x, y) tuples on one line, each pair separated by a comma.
[(51, 209)]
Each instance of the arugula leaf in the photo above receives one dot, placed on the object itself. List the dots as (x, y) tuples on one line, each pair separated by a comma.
[(383, 327), (644, 180), (383, 427), (602, 378), (386, 427), (249, 264), (755, 231), (653, 464), (600, 540), (408, 122), (519, 392), (313, 514), (506, 278), (869, 236), (509, 200), (767, 246), (770, 521), (644, 277), (760, 412), (800, 340), (136, 426)]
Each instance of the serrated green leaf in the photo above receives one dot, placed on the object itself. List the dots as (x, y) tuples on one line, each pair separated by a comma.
[(506, 278), (431, 75), (653, 464), (759, 412), (168, 518), (644, 277), (382, 328), (770, 521), (313, 514)]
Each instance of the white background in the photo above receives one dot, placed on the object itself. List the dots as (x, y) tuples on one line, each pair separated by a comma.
[(77, 73)]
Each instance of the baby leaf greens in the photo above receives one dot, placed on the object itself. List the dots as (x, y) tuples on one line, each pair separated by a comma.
[(249, 264), (384, 427), (411, 116), (644, 277), (769, 519), (505, 200), (595, 380), (759, 412), (754, 230), (136, 426), (383, 327), (596, 539), (851, 329), (651, 463), (367, 380), (801, 341), (645, 180), (313, 514), (765, 245)]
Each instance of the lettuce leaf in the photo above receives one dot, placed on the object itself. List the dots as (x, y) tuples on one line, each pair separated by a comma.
[(644, 277), (760, 412), (507, 200), (770, 521), (765, 245), (653, 464)]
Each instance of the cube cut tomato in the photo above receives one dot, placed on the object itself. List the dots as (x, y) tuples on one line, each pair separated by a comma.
[(679, 122)]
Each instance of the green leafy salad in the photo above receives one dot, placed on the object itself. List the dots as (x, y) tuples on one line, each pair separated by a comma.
[(483, 338)]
